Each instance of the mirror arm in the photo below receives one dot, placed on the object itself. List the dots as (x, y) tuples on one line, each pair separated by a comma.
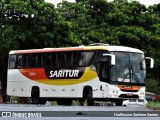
[(113, 58), (151, 61)]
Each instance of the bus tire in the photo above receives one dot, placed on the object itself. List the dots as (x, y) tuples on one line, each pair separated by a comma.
[(36, 97), (89, 97), (119, 102)]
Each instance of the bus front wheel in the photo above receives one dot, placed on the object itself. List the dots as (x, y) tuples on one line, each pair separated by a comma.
[(89, 97), (119, 102)]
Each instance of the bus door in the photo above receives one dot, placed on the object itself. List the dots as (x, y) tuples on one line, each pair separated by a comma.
[(104, 63), (103, 71)]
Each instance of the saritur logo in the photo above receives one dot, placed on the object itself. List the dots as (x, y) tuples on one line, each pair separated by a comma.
[(64, 74)]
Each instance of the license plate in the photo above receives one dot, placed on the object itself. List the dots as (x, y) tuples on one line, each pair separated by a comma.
[(129, 94)]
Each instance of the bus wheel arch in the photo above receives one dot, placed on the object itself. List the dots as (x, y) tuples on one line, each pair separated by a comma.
[(88, 95), (35, 96)]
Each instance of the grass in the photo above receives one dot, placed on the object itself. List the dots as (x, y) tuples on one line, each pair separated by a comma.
[(153, 105), (15, 99)]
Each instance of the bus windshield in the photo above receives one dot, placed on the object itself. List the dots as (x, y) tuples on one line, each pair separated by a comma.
[(129, 68)]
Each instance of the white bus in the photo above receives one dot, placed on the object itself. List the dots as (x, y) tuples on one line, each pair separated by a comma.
[(95, 72)]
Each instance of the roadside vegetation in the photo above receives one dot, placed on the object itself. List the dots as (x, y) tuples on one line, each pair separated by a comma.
[(153, 105)]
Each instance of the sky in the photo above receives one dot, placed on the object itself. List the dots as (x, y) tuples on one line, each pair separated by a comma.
[(146, 2)]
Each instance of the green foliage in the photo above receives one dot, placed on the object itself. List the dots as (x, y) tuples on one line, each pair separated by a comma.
[(29, 24), (153, 86), (153, 105), (15, 99)]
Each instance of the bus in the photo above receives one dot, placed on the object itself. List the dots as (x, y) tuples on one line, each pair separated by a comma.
[(84, 73)]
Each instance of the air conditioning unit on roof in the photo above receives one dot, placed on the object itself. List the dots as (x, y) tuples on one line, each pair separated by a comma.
[(99, 44)]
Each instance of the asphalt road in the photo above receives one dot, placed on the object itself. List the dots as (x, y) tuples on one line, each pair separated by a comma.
[(47, 112)]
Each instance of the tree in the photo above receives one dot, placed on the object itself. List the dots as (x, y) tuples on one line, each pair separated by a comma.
[(33, 24), (153, 86)]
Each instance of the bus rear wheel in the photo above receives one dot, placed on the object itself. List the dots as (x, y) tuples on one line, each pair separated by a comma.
[(36, 97)]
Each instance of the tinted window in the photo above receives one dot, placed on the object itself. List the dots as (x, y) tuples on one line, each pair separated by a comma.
[(140, 100), (70, 58), (19, 61), (39, 60), (65, 59), (52, 59), (36, 60), (25, 61), (85, 58), (132, 100), (33, 61), (12, 61)]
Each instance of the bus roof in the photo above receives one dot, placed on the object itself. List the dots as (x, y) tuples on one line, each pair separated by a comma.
[(108, 48)]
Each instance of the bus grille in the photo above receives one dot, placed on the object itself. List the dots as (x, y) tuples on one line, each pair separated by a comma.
[(126, 96), (129, 90)]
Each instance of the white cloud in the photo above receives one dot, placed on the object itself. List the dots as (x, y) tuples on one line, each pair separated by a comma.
[(149, 2), (146, 2), (58, 1)]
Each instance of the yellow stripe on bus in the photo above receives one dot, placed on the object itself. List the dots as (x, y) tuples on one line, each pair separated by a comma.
[(96, 48), (87, 76)]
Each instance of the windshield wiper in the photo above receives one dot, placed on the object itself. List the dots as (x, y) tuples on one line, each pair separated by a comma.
[(125, 75), (131, 77), (134, 74)]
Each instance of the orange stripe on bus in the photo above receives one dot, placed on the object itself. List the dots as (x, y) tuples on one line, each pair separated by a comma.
[(34, 74), (124, 87)]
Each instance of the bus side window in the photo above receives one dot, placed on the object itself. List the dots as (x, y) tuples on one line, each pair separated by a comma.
[(33, 60), (55, 59), (85, 58), (60, 60), (39, 60), (89, 55), (19, 61), (52, 59), (12, 62), (69, 58), (75, 59), (48, 59), (81, 59), (25, 61), (36, 60)]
